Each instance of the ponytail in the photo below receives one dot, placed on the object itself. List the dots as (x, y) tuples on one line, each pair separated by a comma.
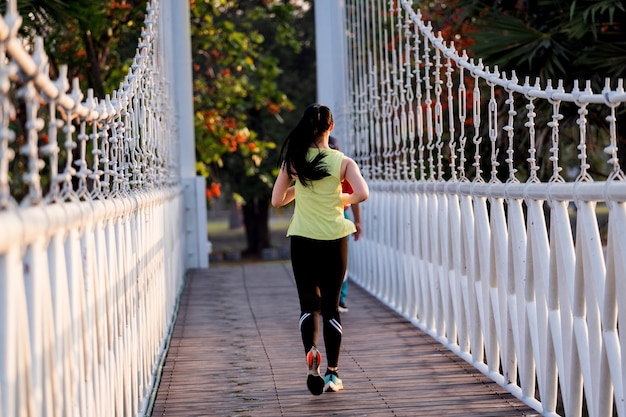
[(316, 120)]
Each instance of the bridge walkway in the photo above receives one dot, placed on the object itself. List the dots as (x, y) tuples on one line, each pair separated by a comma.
[(236, 351)]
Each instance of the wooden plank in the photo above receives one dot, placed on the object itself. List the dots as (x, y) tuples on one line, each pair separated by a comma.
[(236, 351)]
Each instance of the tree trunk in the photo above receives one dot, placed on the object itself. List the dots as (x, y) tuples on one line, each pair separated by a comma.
[(256, 222), (234, 216)]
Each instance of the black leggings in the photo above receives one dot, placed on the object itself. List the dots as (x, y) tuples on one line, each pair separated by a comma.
[(319, 267)]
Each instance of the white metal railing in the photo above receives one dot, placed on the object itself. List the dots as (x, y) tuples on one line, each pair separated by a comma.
[(519, 269), (92, 258)]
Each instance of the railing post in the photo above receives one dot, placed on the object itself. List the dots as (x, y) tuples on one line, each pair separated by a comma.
[(178, 60)]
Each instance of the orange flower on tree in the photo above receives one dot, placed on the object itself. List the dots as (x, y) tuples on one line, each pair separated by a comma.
[(230, 123), (214, 190), (240, 137), (273, 108)]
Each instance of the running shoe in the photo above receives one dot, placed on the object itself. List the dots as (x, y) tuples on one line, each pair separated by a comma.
[(332, 383), (314, 380), (343, 308)]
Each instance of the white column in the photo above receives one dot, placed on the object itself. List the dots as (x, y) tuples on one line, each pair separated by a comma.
[(179, 61), (332, 72)]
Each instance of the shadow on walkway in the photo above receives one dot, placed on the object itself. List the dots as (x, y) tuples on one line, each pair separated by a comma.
[(236, 351)]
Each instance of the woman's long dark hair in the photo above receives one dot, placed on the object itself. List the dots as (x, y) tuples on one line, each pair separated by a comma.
[(316, 120)]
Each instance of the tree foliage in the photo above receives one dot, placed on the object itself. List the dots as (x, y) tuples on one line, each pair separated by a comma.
[(557, 39), (97, 39), (241, 50)]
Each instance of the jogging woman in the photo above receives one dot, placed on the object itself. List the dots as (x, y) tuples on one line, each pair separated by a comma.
[(319, 234)]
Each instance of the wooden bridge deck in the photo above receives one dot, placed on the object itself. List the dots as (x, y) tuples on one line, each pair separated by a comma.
[(236, 351)]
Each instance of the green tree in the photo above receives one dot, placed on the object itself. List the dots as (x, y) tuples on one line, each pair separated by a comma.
[(554, 39), (97, 39), (241, 49)]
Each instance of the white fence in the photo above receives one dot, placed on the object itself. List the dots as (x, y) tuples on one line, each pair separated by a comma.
[(92, 253), (518, 268)]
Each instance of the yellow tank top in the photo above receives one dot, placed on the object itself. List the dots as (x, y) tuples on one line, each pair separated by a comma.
[(318, 212)]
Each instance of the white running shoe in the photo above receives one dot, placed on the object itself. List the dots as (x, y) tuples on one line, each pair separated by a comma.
[(333, 383)]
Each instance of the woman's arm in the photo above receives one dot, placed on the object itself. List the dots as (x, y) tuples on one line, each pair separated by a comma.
[(282, 193), (360, 190), (356, 211)]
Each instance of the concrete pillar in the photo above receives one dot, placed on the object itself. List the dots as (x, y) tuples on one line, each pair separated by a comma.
[(178, 59), (332, 72)]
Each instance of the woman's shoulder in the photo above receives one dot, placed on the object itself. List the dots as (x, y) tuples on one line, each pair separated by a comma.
[(345, 159), (345, 162)]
